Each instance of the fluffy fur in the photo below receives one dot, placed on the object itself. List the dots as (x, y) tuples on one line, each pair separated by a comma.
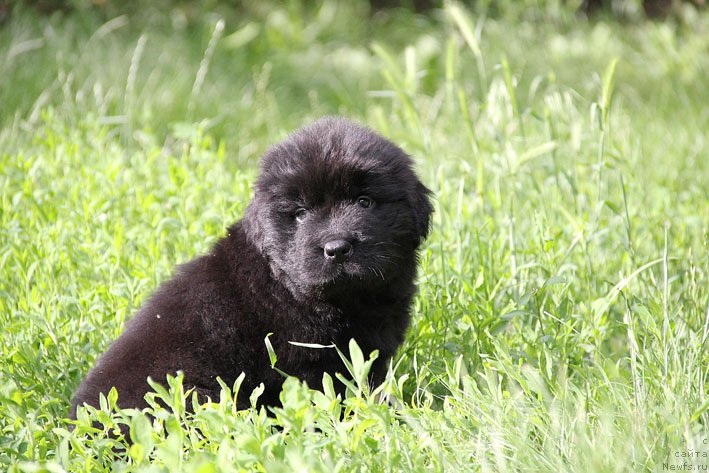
[(326, 252)]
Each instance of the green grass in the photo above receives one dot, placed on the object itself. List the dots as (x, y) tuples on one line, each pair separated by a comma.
[(562, 322)]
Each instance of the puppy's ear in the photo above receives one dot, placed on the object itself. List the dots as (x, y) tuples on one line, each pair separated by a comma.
[(253, 227), (420, 201)]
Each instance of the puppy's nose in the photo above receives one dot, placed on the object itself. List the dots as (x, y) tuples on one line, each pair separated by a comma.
[(338, 250)]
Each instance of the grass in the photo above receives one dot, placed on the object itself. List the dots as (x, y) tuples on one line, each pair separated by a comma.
[(562, 321)]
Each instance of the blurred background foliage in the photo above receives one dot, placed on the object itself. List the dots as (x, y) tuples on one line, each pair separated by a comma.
[(269, 51), (628, 9)]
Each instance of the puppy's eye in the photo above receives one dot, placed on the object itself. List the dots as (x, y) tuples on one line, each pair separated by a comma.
[(300, 214), (364, 201)]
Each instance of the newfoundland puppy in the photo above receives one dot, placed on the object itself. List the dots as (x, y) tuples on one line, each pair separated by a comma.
[(326, 252)]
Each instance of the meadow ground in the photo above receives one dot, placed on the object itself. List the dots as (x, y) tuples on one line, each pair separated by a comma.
[(562, 322)]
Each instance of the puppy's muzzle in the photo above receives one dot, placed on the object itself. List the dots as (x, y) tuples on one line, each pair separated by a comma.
[(337, 251)]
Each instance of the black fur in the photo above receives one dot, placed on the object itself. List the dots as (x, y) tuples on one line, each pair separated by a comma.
[(271, 275)]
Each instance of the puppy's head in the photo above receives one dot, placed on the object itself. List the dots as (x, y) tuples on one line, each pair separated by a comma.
[(337, 204)]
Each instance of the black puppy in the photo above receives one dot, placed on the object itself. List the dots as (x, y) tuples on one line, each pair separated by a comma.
[(326, 252)]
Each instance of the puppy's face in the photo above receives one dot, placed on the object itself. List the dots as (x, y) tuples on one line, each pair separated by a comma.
[(337, 204)]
